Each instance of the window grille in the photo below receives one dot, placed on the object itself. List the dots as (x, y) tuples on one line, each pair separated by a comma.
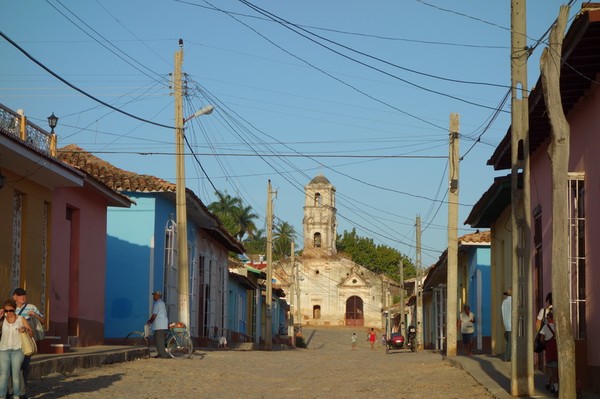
[(170, 269), (577, 260)]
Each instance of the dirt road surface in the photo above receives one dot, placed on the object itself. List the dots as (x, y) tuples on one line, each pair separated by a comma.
[(328, 368)]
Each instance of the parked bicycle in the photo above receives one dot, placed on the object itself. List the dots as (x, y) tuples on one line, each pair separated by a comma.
[(178, 341), (138, 338)]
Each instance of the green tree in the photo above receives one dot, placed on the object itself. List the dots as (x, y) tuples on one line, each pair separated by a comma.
[(377, 258), (257, 244), (237, 218), (283, 235)]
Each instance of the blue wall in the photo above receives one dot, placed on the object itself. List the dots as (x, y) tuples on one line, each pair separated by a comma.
[(128, 252), (130, 276), (481, 261)]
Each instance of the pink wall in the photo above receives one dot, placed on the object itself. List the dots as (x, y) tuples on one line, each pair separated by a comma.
[(585, 157), (78, 261)]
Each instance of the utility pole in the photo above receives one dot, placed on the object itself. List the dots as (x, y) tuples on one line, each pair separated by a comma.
[(388, 300), (298, 310), (419, 287), (521, 330), (559, 151), (292, 296), (401, 269), (180, 195), (269, 299), (452, 289)]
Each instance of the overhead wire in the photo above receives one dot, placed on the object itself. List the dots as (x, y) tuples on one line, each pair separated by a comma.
[(124, 54), (57, 76)]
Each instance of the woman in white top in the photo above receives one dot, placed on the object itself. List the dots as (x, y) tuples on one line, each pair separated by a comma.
[(11, 355)]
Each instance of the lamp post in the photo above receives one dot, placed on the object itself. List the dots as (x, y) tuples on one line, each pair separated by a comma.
[(52, 122), (183, 265)]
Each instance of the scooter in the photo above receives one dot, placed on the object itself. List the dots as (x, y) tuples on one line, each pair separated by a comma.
[(412, 338)]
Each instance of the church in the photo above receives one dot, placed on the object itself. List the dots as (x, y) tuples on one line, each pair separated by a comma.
[(333, 290)]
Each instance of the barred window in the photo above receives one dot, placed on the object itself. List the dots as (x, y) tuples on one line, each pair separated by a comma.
[(577, 260)]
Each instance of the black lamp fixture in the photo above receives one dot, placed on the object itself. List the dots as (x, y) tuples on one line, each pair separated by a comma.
[(2, 179), (52, 122)]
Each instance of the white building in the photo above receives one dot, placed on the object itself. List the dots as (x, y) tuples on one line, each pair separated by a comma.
[(333, 290)]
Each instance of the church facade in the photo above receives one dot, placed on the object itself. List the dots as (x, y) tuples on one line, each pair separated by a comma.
[(333, 290)]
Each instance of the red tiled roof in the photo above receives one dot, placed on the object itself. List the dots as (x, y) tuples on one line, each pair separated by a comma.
[(484, 237), (113, 177)]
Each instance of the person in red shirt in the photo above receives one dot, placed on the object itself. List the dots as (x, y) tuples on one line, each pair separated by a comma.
[(372, 338)]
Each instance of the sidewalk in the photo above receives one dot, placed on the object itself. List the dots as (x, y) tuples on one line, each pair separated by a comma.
[(494, 374), (82, 358)]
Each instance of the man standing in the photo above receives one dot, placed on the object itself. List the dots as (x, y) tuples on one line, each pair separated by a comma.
[(507, 319), (160, 324), (466, 323), (33, 316)]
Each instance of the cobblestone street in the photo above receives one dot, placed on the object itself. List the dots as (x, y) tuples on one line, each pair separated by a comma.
[(328, 368)]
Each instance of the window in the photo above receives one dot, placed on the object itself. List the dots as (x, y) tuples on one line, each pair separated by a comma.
[(170, 269), (317, 240), (318, 200), (577, 261), (538, 260)]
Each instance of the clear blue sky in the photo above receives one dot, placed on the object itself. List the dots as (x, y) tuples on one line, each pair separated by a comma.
[(360, 92)]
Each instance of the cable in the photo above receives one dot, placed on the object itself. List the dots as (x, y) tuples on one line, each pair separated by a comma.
[(350, 33), (332, 76), (15, 45)]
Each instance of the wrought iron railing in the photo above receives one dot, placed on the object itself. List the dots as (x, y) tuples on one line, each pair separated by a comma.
[(17, 125)]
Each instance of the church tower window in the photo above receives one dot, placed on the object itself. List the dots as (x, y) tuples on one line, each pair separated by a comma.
[(318, 200), (317, 240)]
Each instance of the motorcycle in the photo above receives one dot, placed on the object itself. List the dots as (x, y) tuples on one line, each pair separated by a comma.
[(412, 338), (395, 342)]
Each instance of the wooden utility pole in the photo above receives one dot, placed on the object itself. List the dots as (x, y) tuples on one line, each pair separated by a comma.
[(401, 267), (419, 287), (180, 196), (269, 298), (452, 283), (521, 323), (559, 150), (297, 279)]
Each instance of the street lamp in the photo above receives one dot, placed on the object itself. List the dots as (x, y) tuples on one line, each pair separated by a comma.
[(52, 122), (181, 211)]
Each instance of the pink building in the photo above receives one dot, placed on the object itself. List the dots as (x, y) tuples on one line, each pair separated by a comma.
[(580, 92)]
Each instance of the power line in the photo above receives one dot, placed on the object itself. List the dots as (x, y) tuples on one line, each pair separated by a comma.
[(369, 35), (44, 67)]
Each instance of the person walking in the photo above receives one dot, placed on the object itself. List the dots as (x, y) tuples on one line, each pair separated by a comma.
[(541, 317), (466, 323), (548, 331), (354, 341), (372, 337), (507, 319), (160, 324), (33, 316), (11, 355)]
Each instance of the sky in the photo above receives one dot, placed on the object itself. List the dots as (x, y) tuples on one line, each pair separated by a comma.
[(358, 91)]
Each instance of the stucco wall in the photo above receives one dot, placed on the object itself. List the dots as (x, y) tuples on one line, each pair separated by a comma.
[(77, 278)]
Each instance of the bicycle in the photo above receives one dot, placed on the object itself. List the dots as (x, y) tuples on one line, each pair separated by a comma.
[(178, 341), (137, 338)]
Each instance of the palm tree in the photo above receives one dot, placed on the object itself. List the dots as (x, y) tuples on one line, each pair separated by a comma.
[(245, 221), (257, 243), (226, 209), (283, 236)]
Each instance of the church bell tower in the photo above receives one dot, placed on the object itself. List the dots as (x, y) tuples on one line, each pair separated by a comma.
[(320, 224)]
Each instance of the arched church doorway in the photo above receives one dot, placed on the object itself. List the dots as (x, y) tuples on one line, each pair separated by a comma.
[(354, 311)]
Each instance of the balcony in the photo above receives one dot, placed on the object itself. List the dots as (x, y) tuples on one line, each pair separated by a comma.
[(12, 123)]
